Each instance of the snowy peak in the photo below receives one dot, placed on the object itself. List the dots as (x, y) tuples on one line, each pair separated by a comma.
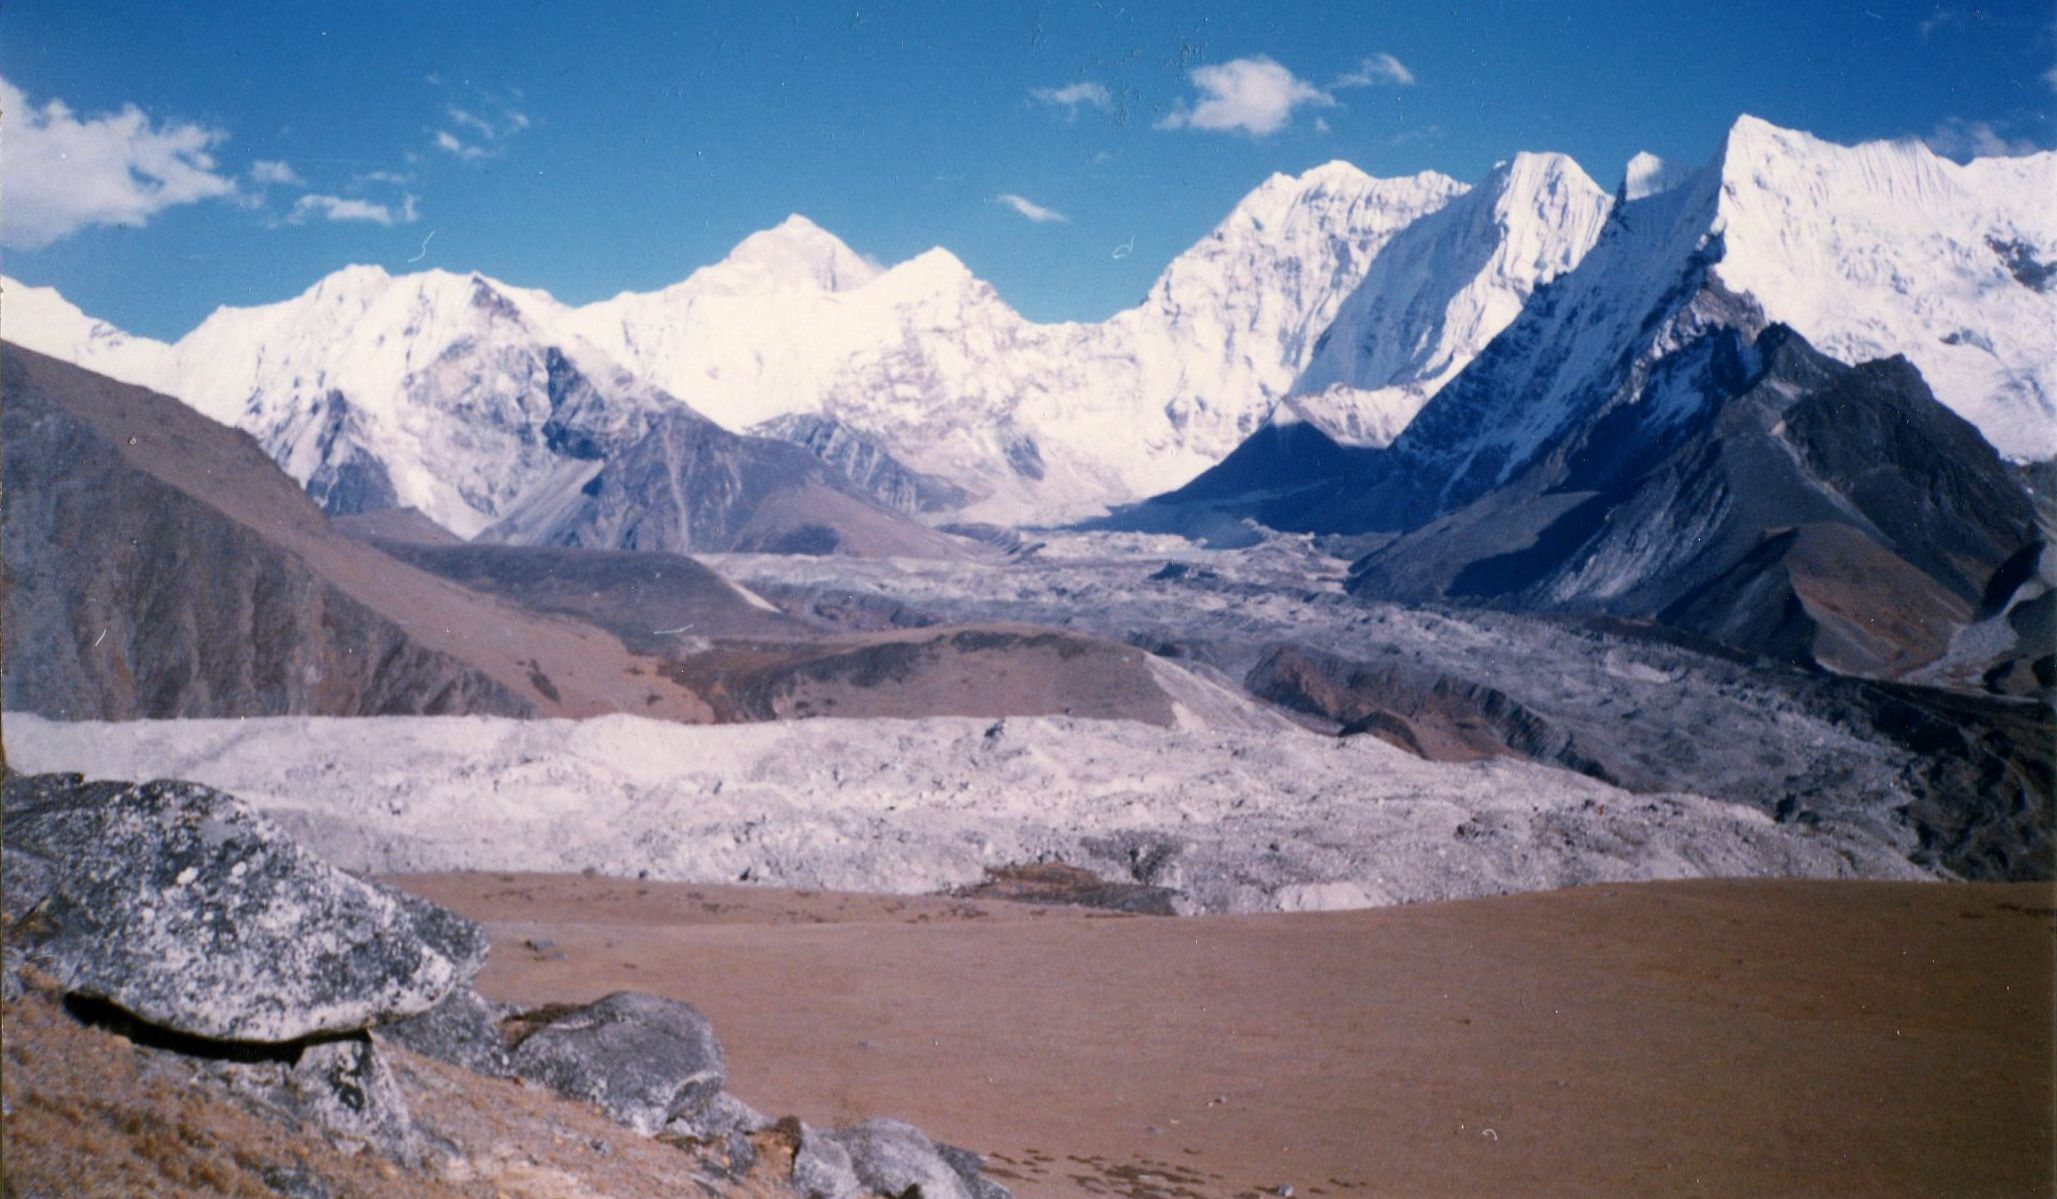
[(794, 255), (1886, 248), (1866, 251), (42, 320), (1441, 289)]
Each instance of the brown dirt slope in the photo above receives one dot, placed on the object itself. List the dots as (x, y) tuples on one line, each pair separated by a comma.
[(160, 565)]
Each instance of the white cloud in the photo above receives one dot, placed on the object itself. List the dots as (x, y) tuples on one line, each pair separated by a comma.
[(465, 119), (264, 172), (450, 144), (1959, 138), (64, 173), (1029, 208), (393, 177), (2050, 77), (1073, 95), (1254, 95), (1379, 68), (343, 208)]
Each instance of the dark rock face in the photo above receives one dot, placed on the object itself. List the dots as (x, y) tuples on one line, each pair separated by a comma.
[(644, 1060), (679, 483), (867, 463), (129, 597), (179, 906), (463, 1030), (1765, 496)]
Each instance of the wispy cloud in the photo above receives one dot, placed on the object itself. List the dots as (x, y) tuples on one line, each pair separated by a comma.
[(476, 121), (2050, 78), (465, 119), (65, 172), (345, 208), (1960, 139), (450, 143), (1380, 68), (1073, 96), (1029, 208), (1256, 96), (264, 172)]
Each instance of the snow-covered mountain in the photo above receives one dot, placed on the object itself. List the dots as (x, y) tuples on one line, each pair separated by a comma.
[(1032, 420), (1440, 290), (1868, 251), (44, 321), (449, 393), (1356, 297), (469, 400)]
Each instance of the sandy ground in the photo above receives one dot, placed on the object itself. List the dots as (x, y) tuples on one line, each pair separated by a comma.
[(1696, 1038)]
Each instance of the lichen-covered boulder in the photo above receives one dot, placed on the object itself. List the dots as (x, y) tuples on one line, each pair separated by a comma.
[(463, 1030), (182, 907), (643, 1059)]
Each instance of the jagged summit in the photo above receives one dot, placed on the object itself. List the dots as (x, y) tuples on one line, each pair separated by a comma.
[(1441, 289)]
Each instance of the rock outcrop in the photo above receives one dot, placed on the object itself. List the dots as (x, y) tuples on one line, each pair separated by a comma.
[(231, 958), (179, 906), (645, 1060)]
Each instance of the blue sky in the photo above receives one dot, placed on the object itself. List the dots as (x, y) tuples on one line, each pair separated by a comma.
[(588, 148)]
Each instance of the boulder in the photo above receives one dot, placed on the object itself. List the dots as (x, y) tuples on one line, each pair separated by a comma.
[(822, 1168), (643, 1059), (892, 1156), (971, 1168), (463, 1030), (345, 1087), (887, 1157), (720, 1131), (180, 906)]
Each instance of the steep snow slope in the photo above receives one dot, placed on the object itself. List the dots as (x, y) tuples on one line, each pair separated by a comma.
[(44, 321), (1885, 248), (1440, 290)]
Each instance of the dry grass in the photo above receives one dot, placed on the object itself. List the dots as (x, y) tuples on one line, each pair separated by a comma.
[(86, 1116)]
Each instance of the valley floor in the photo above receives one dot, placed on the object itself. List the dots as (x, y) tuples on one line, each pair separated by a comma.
[(1700, 1037)]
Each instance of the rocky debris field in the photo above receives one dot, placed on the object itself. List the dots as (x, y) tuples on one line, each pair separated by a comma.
[(167, 939), (1964, 780), (1222, 819)]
